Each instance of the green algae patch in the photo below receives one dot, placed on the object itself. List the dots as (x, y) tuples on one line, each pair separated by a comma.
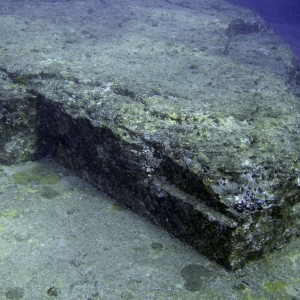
[(50, 179), (116, 207), (277, 286), (25, 177), (2, 228), (244, 293), (28, 191), (42, 177), (251, 297), (12, 213)]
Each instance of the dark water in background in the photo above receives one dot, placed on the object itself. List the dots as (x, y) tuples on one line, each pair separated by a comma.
[(282, 15)]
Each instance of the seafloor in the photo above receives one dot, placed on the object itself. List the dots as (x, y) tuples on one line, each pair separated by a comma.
[(171, 96), (61, 236)]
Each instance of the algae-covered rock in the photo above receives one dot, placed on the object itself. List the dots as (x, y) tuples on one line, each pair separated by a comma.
[(18, 136), (194, 126), (24, 177)]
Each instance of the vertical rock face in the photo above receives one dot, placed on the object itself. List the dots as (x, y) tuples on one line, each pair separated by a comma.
[(198, 131), (18, 136)]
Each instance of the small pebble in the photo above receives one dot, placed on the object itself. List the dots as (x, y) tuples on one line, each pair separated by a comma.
[(53, 291)]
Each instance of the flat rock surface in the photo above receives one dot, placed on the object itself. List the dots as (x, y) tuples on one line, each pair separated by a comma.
[(213, 94), (60, 235)]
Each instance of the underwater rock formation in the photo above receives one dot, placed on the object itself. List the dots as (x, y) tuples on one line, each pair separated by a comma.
[(201, 141)]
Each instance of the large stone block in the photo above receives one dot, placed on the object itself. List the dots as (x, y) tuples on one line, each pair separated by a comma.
[(233, 202), (188, 119)]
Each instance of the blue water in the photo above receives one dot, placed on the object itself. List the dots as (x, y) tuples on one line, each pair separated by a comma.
[(282, 15)]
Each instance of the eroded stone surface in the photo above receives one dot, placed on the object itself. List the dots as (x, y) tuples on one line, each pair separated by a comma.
[(18, 133), (161, 108)]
